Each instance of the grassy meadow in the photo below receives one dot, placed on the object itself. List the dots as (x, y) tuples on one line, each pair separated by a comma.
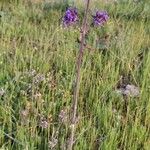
[(37, 73)]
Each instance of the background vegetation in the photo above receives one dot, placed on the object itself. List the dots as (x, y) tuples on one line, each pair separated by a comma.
[(37, 68)]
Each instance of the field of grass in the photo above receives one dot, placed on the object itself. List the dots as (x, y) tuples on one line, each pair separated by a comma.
[(37, 72)]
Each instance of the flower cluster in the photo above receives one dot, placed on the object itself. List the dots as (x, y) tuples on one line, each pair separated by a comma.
[(71, 17), (100, 18)]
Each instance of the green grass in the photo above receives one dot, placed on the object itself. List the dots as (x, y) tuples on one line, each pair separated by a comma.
[(31, 38)]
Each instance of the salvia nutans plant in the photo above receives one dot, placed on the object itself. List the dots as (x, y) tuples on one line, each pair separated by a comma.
[(70, 19)]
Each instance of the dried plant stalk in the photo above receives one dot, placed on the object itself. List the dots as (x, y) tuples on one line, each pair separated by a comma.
[(77, 81)]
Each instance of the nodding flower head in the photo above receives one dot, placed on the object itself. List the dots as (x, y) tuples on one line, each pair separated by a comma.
[(100, 18), (70, 17)]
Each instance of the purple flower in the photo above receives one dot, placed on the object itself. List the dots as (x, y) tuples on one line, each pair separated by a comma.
[(100, 18), (70, 17)]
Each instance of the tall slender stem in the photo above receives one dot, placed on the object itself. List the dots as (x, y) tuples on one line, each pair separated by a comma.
[(77, 81)]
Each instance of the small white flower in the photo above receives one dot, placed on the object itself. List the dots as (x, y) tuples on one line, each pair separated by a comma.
[(2, 92)]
